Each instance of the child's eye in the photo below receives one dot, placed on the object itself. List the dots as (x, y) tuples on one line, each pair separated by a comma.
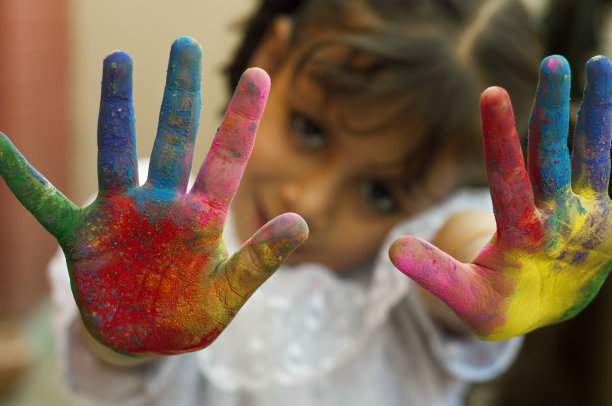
[(309, 133), (378, 196)]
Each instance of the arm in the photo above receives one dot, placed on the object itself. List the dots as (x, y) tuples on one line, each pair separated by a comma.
[(552, 249), (148, 266)]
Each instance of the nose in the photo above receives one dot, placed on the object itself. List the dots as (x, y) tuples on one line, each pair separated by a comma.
[(313, 195)]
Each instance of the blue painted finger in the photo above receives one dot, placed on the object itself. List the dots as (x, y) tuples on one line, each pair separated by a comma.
[(548, 156), (178, 119), (591, 150), (117, 158)]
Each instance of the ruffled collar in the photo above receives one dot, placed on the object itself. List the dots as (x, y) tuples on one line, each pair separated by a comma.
[(307, 320)]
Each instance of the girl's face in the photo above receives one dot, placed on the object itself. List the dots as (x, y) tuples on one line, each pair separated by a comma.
[(346, 186)]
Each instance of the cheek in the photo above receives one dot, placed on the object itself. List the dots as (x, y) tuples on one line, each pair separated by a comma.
[(270, 153), (260, 166)]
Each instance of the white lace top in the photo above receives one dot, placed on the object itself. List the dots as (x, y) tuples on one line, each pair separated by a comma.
[(307, 337)]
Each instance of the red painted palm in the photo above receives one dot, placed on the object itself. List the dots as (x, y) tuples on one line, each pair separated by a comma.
[(148, 265)]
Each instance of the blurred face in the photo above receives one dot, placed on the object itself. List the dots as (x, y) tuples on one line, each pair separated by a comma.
[(346, 186)]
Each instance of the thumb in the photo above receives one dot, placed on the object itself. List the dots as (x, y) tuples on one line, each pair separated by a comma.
[(439, 273), (263, 253)]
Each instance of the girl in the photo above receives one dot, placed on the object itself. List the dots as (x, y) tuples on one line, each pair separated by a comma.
[(370, 132)]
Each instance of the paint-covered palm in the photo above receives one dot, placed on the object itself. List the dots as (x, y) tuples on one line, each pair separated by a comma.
[(553, 247), (148, 265)]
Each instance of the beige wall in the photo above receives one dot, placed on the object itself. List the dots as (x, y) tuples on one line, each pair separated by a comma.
[(145, 29)]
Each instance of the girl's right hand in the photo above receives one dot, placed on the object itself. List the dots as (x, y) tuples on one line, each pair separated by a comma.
[(148, 266)]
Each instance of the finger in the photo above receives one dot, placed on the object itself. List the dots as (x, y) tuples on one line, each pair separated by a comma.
[(260, 256), (511, 191), (591, 151), (49, 206), (220, 174), (455, 283), (178, 119), (548, 156), (117, 158)]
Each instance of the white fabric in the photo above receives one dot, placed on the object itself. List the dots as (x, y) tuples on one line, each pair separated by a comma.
[(307, 337)]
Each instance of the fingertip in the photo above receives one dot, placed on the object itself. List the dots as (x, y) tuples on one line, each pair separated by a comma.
[(599, 77), (185, 64), (393, 251), (497, 113), (117, 58), (278, 238), (258, 76), (296, 225), (495, 92), (495, 98), (251, 93), (397, 246), (286, 228), (555, 64), (187, 46), (554, 83), (404, 252), (117, 76), (556, 69), (599, 63), (5, 144)]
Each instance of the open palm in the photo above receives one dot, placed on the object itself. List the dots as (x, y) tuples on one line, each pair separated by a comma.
[(553, 247), (148, 265)]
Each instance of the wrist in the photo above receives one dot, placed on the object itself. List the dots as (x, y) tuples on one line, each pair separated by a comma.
[(109, 355)]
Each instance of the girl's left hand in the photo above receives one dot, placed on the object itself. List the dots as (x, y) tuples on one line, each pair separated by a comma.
[(553, 247)]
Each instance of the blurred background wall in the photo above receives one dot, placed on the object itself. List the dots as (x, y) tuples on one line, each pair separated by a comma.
[(35, 61), (51, 54)]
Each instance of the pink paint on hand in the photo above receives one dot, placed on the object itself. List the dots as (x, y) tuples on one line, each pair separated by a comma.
[(552, 250)]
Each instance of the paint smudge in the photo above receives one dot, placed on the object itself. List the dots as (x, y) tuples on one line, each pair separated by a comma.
[(148, 266), (552, 250)]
